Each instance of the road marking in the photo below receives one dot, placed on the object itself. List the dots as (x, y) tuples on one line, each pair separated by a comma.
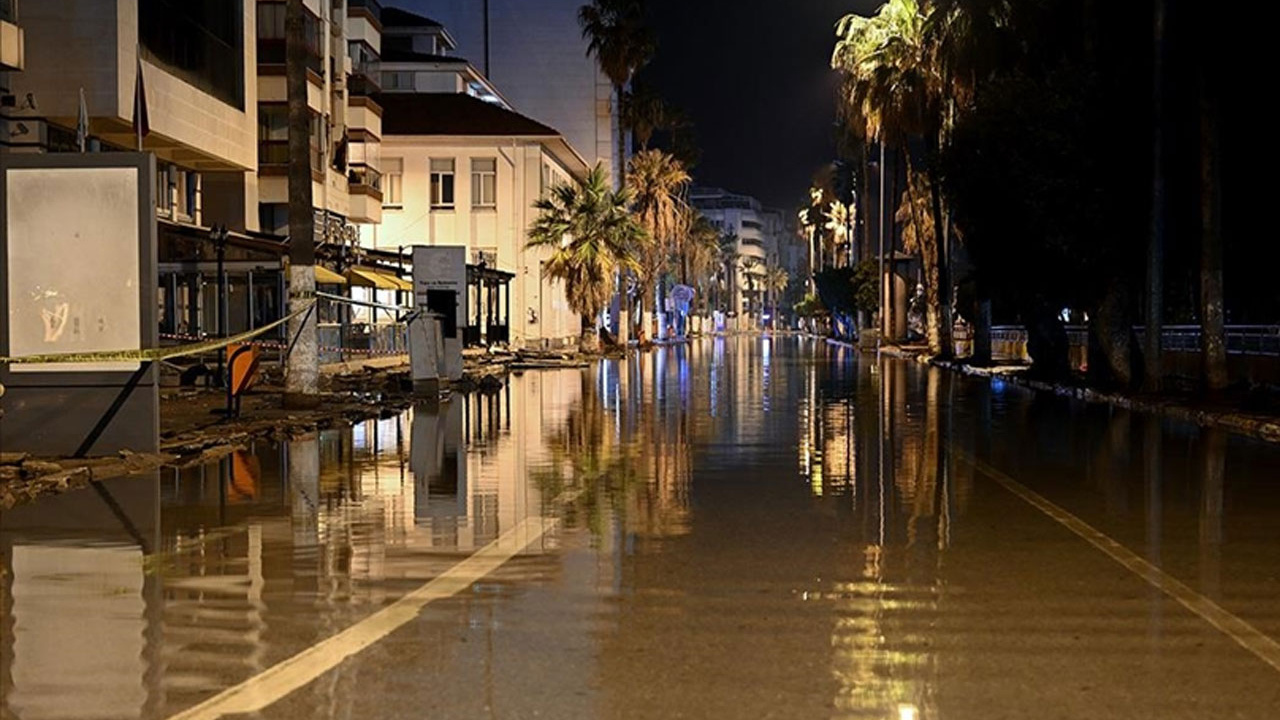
[(1246, 635), (274, 683)]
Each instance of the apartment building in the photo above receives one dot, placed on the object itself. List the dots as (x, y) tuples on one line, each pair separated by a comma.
[(535, 52), (464, 169), (742, 217), (344, 39)]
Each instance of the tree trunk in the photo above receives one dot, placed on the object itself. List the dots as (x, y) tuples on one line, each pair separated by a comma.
[(621, 174), (589, 342), (1213, 333), (1111, 331), (981, 354), (1153, 365), (942, 236), (302, 379), (1047, 344), (929, 258)]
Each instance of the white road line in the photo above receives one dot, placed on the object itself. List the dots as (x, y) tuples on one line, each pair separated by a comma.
[(274, 683), (1248, 637)]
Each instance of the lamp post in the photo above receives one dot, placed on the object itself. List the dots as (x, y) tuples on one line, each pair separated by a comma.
[(218, 236)]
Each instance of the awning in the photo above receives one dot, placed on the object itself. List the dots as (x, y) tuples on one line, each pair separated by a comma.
[(377, 279), (402, 284), (325, 276)]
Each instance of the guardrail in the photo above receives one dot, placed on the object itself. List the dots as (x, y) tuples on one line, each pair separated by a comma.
[(1010, 341), (362, 340)]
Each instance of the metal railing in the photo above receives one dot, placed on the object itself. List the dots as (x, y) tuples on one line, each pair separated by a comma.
[(362, 341), (1264, 340), (363, 175)]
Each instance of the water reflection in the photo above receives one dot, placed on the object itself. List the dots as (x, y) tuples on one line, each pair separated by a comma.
[(749, 526), (151, 594)]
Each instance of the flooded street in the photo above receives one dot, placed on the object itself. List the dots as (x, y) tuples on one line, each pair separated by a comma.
[(754, 528)]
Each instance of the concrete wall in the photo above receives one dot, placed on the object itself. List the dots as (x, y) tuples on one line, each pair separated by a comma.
[(538, 60)]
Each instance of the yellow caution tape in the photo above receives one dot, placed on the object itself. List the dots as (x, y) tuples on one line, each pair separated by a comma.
[(154, 354)]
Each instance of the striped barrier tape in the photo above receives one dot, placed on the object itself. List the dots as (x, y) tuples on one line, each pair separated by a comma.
[(153, 354)]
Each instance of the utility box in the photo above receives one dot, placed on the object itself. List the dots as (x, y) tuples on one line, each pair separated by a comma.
[(440, 287), (77, 277)]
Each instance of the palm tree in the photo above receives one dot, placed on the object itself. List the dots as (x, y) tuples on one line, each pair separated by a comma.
[(622, 44), (776, 280), (592, 235), (727, 274), (894, 91), (700, 255), (644, 113), (657, 183)]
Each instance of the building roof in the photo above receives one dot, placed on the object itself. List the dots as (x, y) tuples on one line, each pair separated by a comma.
[(454, 114), (395, 17), (397, 55)]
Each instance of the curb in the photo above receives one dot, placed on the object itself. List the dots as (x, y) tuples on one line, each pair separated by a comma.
[(1260, 429)]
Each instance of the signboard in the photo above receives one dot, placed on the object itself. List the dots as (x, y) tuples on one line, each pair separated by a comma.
[(78, 275), (440, 285)]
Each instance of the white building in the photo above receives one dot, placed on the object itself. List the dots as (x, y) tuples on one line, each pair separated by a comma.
[(462, 171), (535, 52), (741, 217)]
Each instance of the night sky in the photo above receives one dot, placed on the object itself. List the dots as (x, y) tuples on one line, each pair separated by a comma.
[(754, 77)]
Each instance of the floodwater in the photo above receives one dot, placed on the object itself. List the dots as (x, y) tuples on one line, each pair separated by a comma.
[(743, 528)]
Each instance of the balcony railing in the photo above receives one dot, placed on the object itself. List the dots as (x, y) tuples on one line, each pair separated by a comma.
[(364, 176), (272, 51), (276, 152)]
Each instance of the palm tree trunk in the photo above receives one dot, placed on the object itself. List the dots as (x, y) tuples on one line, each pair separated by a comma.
[(981, 354), (589, 342), (1213, 333), (942, 236), (302, 379), (621, 173), (929, 258), (1153, 360)]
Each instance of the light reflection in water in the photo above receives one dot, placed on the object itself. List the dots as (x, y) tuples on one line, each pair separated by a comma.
[(200, 578)]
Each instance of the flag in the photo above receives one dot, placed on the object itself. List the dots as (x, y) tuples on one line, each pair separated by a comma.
[(141, 123), (82, 124)]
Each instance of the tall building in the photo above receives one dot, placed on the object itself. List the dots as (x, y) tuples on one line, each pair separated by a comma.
[(535, 52), (344, 42), (742, 219)]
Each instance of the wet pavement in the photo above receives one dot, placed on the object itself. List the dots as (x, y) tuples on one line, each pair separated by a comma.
[(745, 528)]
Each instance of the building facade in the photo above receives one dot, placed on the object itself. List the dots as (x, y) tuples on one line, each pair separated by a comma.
[(535, 52), (749, 230)]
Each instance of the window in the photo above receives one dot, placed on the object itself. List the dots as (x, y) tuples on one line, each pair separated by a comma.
[(271, 21), (397, 80), (200, 41), (442, 180), (274, 218), (273, 136), (393, 182), (484, 182)]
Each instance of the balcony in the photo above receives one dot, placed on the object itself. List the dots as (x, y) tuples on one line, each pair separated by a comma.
[(275, 154), (364, 179), (371, 7)]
